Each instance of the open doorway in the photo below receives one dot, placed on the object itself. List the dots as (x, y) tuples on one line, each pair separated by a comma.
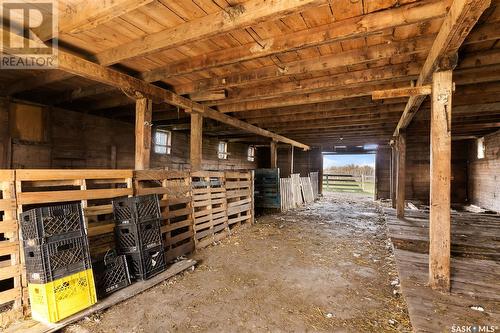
[(353, 173)]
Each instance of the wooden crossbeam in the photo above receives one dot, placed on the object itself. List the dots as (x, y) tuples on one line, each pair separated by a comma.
[(402, 92), (85, 15), (459, 21), (239, 16), (356, 27), (346, 58), (92, 71)]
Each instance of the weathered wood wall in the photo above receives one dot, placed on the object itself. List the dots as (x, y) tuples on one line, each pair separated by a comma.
[(418, 163), (484, 174), (383, 173), (45, 137)]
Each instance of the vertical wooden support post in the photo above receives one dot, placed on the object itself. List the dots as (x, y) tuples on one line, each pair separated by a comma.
[(291, 159), (196, 141), (393, 174), (274, 154), (143, 114), (439, 220), (401, 180)]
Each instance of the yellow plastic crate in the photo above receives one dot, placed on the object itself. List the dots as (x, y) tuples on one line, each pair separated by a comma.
[(56, 300)]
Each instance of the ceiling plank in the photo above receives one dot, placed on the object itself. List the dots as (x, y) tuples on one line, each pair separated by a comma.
[(85, 15), (355, 27), (133, 86), (238, 16), (459, 21), (346, 58)]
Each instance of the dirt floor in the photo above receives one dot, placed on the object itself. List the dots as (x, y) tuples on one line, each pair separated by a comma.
[(327, 267)]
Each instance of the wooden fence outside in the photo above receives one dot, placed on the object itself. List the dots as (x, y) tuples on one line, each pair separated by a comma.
[(348, 183), (197, 209)]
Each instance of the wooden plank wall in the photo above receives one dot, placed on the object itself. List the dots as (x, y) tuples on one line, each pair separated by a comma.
[(484, 174), (197, 208), (95, 189), (418, 163), (67, 139), (383, 173), (239, 194), (210, 207), (10, 264), (174, 189)]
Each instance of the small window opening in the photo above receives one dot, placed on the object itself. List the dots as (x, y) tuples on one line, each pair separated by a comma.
[(480, 148), (163, 142), (251, 153), (222, 150)]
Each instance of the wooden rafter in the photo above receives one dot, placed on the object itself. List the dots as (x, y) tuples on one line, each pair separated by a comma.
[(459, 21), (402, 92), (85, 15), (347, 58), (87, 69), (239, 16), (355, 27)]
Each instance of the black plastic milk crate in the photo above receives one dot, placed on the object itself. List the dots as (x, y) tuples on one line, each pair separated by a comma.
[(50, 261), (111, 274), (52, 223), (134, 237), (136, 209), (146, 264)]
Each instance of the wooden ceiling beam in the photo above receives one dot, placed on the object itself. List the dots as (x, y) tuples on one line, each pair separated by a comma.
[(37, 81), (355, 27), (133, 86), (394, 110), (459, 21), (85, 15), (349, 103), (346, 58), (401, 92), (235, 17), (303, 99), (401, 72), (462, 76)]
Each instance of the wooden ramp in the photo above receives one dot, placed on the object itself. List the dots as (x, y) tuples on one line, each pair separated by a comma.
[(475, 277)]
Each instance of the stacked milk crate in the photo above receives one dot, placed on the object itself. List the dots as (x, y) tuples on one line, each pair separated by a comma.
[(57, 257), (138, 235)]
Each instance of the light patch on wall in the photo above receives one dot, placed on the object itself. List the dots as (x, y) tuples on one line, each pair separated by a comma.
[(27, 122)]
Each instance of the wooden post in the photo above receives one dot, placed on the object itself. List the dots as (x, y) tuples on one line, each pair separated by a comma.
[(274, 154), (401, 181), (196, 141), (143, 114), (291, 160), (393, 175), (439, 220)]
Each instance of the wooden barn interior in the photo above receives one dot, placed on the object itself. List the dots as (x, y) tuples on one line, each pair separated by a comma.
[(160, 96)]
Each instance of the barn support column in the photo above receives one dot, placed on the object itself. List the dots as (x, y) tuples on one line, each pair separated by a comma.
[(401, 176), (143, 114), (393, 174), (274, 154), (291, 160), (196, 141), (439, 220)]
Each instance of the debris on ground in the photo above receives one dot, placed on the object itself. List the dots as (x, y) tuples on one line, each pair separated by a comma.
[(280, 279)]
